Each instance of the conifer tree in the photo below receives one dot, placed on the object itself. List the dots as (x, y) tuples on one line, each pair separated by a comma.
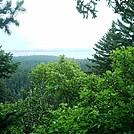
[(8, 14), (122, 7), (120, 34)]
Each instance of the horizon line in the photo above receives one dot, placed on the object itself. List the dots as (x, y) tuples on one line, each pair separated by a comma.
[(49, 50)]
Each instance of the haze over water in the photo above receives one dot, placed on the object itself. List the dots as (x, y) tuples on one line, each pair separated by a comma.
[(77, 53)]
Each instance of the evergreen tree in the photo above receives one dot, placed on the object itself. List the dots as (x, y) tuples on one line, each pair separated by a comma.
[(120, 34), (103, 49), (7, 65), (125, 8), (122, 7), (8, 14)]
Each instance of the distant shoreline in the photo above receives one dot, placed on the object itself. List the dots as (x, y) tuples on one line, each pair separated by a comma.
[(53, 50), (80, 53)]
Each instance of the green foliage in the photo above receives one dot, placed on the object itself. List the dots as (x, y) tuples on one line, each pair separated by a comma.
[(103, 50), (115, 97), (61, 81), (99, 105), (119, 89), (122, 7), (121, 34), (10, 117), (34, 60), (53, 83), (8, 14), (19, 82), (7, 65), (84, 8), (123, 60), (84, 63), (63, 99), (105, 104)]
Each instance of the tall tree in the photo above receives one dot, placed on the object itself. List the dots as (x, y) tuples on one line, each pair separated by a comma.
[(60, 81), (120, 34), (8, 15)]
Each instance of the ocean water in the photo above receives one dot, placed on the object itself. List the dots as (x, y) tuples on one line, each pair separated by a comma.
[(70, 53)]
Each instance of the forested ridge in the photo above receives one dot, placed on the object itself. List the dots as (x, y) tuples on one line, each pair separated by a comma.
[(20, 79), (58, 95), (34, 60)]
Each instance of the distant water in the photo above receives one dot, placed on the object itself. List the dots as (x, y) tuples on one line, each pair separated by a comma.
[(77, 53)]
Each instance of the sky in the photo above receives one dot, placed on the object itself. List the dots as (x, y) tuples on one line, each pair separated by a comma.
[(50, 24)]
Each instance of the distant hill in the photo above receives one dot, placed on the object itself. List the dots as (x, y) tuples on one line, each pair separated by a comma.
[(34, 60)]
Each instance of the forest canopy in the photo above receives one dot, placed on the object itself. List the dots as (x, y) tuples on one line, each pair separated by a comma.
[(59, 97)]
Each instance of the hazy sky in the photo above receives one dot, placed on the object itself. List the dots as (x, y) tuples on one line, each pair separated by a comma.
[(57, 24)]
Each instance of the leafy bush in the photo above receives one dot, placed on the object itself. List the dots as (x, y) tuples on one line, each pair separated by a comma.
[(61, 81)]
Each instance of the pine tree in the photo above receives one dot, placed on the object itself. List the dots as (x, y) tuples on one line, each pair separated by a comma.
[(7, 65), (120, 34), (122, 7), (8, 14)]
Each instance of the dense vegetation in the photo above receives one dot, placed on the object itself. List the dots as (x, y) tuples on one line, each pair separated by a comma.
[(8, 15), (60, 96), (20, 79), (64, 99)]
